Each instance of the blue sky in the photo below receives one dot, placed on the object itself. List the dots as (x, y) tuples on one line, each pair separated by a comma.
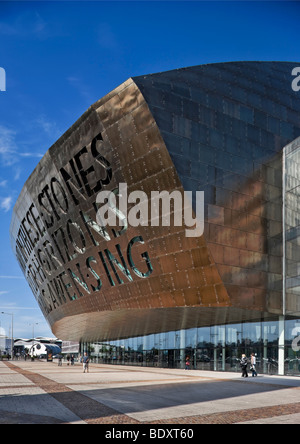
[(60, 57)]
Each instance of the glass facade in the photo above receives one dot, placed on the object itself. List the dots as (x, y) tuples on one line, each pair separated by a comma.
[(292, 347), (214, 348), (291, 204)]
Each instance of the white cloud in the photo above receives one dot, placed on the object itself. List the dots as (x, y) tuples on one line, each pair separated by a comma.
[(106, 37), (17, 174), (28, 154), (17, 307), (8, 30), (48, 126), (80, 86), (10, 153), (6, 203), (12, 277), (7, 146), (27, 24)]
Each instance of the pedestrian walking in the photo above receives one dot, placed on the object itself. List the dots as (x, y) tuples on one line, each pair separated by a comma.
[(244, 364), (72, 360), (253, 365), (187, 363), (85, 361), (60, 361)]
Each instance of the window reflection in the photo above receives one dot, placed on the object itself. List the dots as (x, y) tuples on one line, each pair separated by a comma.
[(292, 228), (209, 348)]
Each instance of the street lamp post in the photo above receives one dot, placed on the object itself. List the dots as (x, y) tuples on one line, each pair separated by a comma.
[(33, 324), (12, 331)]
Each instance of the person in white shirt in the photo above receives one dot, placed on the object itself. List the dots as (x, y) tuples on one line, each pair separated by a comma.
[(253, 365)]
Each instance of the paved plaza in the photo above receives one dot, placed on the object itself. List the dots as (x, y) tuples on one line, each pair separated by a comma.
[(43, 393)]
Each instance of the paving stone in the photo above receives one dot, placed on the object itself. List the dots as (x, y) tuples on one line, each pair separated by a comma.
[(42, 393)]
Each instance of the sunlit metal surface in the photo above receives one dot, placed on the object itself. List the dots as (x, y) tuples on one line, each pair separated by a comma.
[(217, 128)]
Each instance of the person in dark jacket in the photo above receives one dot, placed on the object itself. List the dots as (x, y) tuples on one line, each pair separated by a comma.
[(86, 361), (244, 364)]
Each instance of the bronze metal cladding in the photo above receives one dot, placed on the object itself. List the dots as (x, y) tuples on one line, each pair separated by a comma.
[(217, 128)]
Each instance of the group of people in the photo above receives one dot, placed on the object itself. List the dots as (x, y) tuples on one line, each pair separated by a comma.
[(244, 365), (84, 360)]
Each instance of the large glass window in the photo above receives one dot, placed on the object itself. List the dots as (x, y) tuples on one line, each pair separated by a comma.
[(291, 200), (191, 337), (203, 337), (292, 347), (252, 334), (234, 335), (216, 348)]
